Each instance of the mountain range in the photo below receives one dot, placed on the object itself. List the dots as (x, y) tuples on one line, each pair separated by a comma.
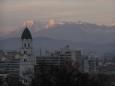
[(82, 36)]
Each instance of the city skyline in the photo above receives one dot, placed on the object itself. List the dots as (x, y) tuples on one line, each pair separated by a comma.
[(59, 42)]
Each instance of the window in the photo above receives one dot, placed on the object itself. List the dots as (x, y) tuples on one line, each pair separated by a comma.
[(25, 60), (24, 52), (24, 45), (28, 45)]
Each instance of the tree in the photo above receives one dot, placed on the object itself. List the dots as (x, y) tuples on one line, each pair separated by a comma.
[(67, 75), (13, 81)]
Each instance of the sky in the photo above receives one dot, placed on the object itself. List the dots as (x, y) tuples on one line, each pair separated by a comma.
[(14, 12)]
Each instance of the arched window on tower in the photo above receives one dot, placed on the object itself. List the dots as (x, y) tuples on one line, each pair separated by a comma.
[(24, 45), (28, 45), (24, 52)]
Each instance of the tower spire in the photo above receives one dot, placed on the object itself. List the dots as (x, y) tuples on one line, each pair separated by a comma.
[(26, 34)]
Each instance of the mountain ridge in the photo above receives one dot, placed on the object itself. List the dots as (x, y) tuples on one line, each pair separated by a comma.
[(46, 43)]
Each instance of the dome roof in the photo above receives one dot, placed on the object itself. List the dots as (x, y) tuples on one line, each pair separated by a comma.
[(26, 34)]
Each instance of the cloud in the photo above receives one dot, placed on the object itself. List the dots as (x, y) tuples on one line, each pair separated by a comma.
[(15, 12), (28, 23)]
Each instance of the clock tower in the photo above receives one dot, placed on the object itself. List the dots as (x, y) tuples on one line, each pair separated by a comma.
[(27, 60)]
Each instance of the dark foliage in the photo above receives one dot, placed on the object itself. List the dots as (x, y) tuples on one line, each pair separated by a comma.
[(13, 81), (67, 75)]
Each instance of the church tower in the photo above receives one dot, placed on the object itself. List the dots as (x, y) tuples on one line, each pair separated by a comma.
[(27, 61)]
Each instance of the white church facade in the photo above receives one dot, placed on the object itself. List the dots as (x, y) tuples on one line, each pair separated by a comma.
[(27, 60)]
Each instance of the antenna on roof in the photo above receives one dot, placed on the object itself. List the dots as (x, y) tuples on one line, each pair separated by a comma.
[(40, 52)]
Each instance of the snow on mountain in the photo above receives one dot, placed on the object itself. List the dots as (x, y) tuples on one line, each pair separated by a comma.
[(84, 36)]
